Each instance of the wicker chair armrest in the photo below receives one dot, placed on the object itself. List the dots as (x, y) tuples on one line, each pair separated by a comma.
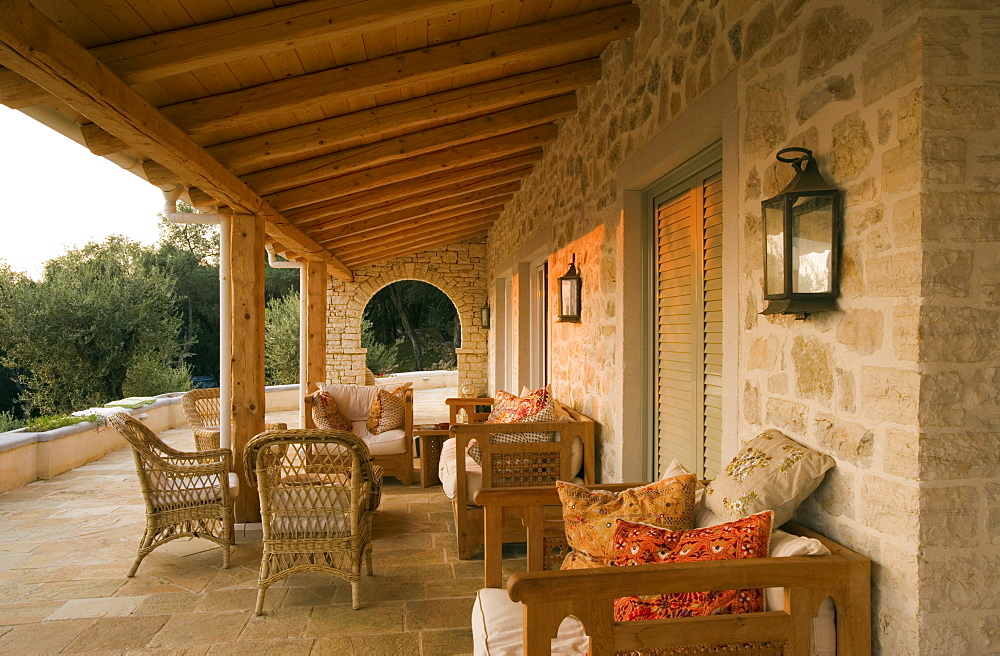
[(197, 467)]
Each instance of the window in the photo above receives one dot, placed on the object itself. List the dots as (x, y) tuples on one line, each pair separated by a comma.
[(538, 374)]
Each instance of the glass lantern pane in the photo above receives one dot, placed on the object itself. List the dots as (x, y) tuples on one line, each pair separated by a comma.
[(812, 238), (567, 297), (774, 233)]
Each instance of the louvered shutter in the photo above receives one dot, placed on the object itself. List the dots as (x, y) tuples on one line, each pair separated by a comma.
[(688, 324)]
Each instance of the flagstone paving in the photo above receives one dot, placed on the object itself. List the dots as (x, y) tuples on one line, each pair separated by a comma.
[(67, 543)]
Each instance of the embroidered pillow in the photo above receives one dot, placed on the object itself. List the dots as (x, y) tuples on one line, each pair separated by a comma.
[(505, 406), (326, 415), (590, 515), (387, 411), (537, 407), (641, 544), (773, 472)]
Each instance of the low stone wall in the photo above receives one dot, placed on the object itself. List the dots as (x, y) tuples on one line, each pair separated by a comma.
[(423, 379), (26, 457)]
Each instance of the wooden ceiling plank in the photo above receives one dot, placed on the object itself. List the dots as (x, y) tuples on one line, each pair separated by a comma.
[(223, 111), (344, 233), (283, 28), (477, 151), (246, 155), (315, 169), (412, 200), (430, 230), (34, 47), (419, 247)]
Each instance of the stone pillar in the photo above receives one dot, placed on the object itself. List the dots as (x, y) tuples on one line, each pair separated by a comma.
[(312, 336), (247, 280)]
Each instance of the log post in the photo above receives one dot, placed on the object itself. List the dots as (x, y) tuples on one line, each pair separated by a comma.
[(312, 335), (247, 350)]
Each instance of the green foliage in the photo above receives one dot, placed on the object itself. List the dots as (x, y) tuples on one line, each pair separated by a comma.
[(102, 317), (281, 340), (52, 422), (434, 328), (381, 358), (9, 422)]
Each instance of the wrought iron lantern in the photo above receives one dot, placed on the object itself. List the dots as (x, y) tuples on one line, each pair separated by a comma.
[(570, 285), (484, 315), (802, 227)]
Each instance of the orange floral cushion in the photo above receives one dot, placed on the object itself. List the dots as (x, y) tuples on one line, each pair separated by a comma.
[(590, 515), (641, 544), (327, 415), (538, 406)]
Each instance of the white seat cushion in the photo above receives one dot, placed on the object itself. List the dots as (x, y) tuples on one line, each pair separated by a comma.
[(383, 444), (448, 469), (172, 492), (353, 401), (496, 628)]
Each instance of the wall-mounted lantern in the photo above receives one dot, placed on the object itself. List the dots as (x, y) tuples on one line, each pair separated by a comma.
[(484, 315), (802, 241), (570, 285)]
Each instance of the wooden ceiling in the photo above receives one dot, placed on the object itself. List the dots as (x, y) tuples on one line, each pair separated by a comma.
[(361, 130)]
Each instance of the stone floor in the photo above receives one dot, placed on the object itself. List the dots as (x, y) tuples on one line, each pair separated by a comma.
[(67, 543)]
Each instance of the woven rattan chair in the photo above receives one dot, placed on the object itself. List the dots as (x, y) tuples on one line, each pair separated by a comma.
[(318, 496), (186, 494), (201, 408)]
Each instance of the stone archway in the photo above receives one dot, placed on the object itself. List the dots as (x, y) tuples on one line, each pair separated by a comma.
[(457, 270)]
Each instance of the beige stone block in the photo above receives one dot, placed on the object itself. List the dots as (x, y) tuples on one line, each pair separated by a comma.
[(891, 65), (949, 516), (836, 493), (945, 160), (852, 148), (861, 330), (766, 118), (833, 36), (777, 384), (788, 416), (891, 507), (962, 216), (901, 452), (765, 353), (812, 359), (962, 580), (751, 404), (901, 168), (893, 274), (967, 107), (948, 272), (991, 511), (889, 394), (845, 440), (957, 455), (950, 334), (905, 222), (846, 391)]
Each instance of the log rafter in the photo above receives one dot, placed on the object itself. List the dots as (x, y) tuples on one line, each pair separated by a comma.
[(34, 47)]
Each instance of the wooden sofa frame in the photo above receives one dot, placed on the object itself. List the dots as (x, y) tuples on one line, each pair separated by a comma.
[(399, 465), (550, 596), (512, 465)]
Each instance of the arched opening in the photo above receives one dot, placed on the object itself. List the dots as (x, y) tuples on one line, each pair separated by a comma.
[(410, 325)]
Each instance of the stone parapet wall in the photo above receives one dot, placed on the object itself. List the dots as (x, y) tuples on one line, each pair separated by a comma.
[(902, 108), (457, 270)]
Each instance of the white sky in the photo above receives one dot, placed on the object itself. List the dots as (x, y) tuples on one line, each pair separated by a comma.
[(55, 195)]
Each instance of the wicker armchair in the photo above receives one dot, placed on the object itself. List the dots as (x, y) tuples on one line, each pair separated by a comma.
[(318, 496), (186, 494), (201, 408)]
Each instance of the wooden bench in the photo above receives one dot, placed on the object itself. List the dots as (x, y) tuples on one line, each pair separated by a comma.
[(550, 596), (513, 465)]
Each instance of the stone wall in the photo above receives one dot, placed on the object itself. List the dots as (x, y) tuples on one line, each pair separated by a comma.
[(457, 270), (901, 106)]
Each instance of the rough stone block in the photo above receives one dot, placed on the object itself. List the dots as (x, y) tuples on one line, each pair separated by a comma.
[(751, 404), (968, 107), (788, 416), (901, 167), (891, 66), (891, 507), (959, 455), (845, 440), (894, 275), (945, 160), (813, 368), (846, 391), (906, 227), (950, 334), (766, 117), (836, 493), (889, 394), (901, 452), (852, 148), (906, 331), (945, 41), (832, 89), (765, 353), (833, 36), (861, 330), (962, 216)]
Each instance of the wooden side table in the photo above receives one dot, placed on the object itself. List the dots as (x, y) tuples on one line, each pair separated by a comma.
[(430, 453)]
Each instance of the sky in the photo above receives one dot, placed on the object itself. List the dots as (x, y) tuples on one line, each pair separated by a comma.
[(56, 195)]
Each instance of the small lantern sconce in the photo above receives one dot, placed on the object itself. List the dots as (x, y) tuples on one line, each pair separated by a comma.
[(802, 241), (484, 315), (570, 285)]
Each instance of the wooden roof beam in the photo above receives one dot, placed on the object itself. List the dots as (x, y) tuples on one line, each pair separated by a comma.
[(383, 197), (414, 201), (362, 260), (34, 47), (518, 45), (161, 55), (432, 233), (341, 232), (470, 153)]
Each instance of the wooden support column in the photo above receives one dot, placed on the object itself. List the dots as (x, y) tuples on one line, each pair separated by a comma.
[(247, 353), (312, 339)]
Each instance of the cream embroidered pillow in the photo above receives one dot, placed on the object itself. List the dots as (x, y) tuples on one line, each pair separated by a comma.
[(773, 472)]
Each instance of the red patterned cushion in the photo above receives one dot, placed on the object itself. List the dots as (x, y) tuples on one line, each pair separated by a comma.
[(327, 415), (642, 544)]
